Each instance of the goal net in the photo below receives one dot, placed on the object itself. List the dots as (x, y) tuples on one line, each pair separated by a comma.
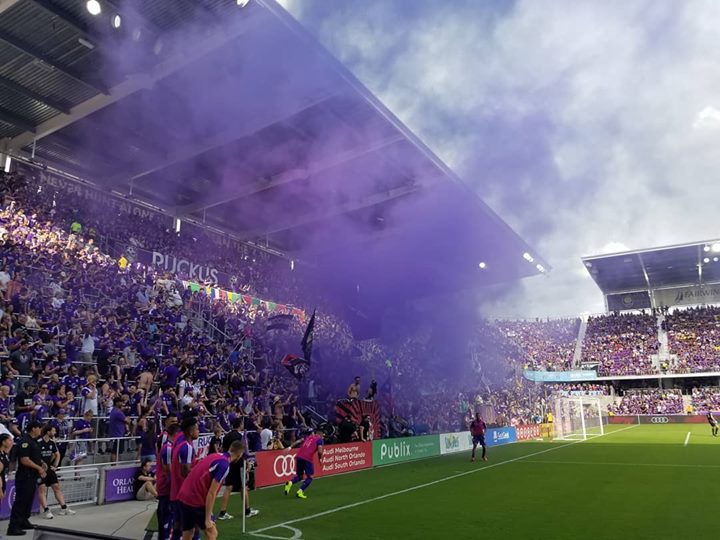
[(577, 418)]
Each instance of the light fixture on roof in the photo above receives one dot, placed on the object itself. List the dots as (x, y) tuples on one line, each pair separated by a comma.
[(292, 264), (715, 259), (158, 47), (528, 257), (482, 266), (540, 267), (93, 7), (178, 222), (716, 247), (706, 260), (8, 161), (116, 21), (86, 43), (706, 248), (242, 3)]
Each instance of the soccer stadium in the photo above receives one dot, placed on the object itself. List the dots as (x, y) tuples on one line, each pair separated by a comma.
[(314, 269)]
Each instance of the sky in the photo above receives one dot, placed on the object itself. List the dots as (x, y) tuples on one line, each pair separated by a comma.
[(590, 127)]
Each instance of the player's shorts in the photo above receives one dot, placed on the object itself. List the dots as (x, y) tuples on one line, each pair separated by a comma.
[(234, 476), (303, 466), (192, 517), (479, 439), (50, 478)]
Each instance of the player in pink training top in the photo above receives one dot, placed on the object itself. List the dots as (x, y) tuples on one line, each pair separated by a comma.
[(304, 461)]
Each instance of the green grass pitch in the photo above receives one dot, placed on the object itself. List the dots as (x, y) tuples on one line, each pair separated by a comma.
[(639, 482)]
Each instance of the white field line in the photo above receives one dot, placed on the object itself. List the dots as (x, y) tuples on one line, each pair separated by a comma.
[(623, 464), (427, 484), (687, 439)]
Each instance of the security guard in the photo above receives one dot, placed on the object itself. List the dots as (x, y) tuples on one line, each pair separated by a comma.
[(30, 469)]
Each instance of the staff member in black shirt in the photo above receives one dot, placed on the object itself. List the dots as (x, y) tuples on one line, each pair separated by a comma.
[(6, 444), (233, 480), (51, 456), (30, 470)]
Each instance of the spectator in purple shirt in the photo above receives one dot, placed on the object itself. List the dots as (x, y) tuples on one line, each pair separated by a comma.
[(118, 423)]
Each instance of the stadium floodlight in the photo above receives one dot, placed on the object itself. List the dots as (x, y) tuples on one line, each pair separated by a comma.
[(482, 266), (540, 267), (178, 222), (715, 259), (706, 249), (93, 7), (706, 260), (242, 3), (292, 264), (716, 247), (116, 21), (85, 43), (8, 161), (528, 257)]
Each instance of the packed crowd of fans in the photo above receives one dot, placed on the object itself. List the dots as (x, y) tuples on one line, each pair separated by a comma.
[(694, 336), (83, 335), (705, 398), (547, 345), (622, 344), (649, 401)]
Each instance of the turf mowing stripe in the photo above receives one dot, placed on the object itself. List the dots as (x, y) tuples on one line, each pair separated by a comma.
[(620, 463), (687, 438), (427, 484)]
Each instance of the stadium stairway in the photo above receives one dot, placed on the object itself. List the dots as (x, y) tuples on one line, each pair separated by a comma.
[(577, 356)]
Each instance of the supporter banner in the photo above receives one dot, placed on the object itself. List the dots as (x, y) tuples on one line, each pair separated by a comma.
[(525, 432), (559, 376), (119, 484), (195, 271), (87, 192), (169, 263), (658, 419), (632, 300), (451, 443), (9, 499), (687, 296), (201, 445), (498, 436), (278, 466), (405, 449)]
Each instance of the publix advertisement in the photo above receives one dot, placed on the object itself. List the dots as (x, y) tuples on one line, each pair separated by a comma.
[(405, 449)]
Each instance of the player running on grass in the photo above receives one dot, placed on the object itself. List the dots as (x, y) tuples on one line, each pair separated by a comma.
[(304, 461), (713, 423), (477, 430)]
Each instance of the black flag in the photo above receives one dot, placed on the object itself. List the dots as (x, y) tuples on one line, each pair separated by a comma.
[(307, 341)]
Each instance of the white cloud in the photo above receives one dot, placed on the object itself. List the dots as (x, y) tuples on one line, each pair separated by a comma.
[(586, 111)]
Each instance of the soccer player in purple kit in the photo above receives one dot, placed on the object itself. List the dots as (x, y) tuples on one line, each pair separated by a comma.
[(304, 461), (199, 491)]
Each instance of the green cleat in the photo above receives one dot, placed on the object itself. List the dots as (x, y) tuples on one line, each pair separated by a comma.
[(301, 494), (288, 487)]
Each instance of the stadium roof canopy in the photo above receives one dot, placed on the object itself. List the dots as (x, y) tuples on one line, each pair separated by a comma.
[(680, 265), (237, 118)]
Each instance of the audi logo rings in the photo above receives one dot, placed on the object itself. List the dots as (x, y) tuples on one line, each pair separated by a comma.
[(284, 465), (659, 420)]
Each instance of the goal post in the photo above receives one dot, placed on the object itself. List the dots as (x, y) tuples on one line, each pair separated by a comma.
[(577, 418)]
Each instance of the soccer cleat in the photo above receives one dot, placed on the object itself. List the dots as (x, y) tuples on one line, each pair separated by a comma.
[(224, 515), (47, 514), (484, 459), (251, 512), (67, 512), (288, 487), (472, 460), (301, 494)]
